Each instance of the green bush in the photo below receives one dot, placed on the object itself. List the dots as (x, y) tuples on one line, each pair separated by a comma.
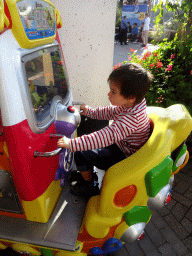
[(171, 66)]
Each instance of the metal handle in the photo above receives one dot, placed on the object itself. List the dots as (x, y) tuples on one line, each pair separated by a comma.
[(47, 154), (52, 135), (76, 103)]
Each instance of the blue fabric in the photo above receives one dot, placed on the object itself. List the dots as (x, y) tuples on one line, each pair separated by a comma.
[(135, 31), (65, 165), (124, 24)]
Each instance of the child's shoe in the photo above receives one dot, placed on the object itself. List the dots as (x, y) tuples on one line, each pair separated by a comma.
[(75, 176), (84, 188)]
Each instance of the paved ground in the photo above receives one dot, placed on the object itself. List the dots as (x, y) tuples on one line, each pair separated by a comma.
[(121, 51), (169, 231)]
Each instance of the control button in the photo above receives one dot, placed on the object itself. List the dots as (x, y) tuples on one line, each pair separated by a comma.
[(71, 109)]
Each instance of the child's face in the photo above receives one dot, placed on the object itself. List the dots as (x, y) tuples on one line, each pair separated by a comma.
[(117, 99)]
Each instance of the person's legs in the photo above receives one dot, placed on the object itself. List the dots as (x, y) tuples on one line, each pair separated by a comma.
[(143, 37), (121, 36), (85, 161), (101, 158), (146, 36), (125, 37)]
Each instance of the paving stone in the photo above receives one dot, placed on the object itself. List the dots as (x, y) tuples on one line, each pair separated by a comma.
[(189, 214), (187, 169), (134, 249), (182, 187), (166, 249), (170, 205), (181, 199), (176, 244), (176, 226), (121, 252), (184, 176), (176, 179), (187, 224), (164, 211), (179, 211), (190, 188), (148, 247), (188, 243), (158, 221), (154, 234), (188, 194)]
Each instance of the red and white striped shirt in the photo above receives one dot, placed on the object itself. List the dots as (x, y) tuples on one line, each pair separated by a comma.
[(130, 129)]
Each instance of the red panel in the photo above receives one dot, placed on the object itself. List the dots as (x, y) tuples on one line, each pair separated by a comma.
[(31, 175)]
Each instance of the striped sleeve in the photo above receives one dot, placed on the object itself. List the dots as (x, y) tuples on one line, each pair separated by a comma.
[(104, 113), (118, 131)]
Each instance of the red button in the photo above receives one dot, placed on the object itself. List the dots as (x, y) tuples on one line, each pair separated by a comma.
[(168, 199), (71, 109)]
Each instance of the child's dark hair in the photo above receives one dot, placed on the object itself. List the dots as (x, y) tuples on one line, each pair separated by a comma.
[(132, 80)]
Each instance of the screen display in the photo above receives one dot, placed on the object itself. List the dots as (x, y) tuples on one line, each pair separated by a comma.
[(46, 78), (38, 18)]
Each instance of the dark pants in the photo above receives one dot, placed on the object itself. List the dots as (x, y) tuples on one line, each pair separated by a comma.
[(133, 37), (123, 36), (101, 158)]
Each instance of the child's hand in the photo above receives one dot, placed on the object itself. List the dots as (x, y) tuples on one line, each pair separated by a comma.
[(63, 143), (84, 108)]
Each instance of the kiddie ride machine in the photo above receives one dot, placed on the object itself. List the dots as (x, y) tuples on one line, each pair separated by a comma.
[(37, 216)]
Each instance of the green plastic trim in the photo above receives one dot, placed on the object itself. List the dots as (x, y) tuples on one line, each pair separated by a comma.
[(182, 152), (46, 252), (158, 177), (137, 214)]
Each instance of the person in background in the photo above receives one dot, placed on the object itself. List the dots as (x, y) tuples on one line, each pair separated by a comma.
[(140, 32), (129, 30), (130, 130), (145, 32), (134, 33), (123, 32)]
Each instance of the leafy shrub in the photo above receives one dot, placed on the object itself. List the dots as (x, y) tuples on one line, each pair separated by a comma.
[(171, 66)]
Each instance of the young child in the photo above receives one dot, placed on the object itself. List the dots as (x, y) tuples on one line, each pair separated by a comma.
[(129, 131), (134, 33)]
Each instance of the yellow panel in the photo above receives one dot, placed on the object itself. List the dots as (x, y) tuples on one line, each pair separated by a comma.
[(40, 209), (96, 225), (67, 253), (120, 230), (171, 127), (3, 17), (2, 246), (19, 247), (18, 30)]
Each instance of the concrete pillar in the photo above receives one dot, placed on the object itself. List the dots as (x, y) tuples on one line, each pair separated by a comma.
[(87, 38)]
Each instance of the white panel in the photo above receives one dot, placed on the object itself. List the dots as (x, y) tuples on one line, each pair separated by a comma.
[(87, 38), (10, 96)]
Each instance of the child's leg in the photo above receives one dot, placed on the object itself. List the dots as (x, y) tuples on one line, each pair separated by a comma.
[(87, 175), (101, 158), (85, 162)]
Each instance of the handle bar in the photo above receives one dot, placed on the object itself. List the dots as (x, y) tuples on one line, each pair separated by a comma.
[(47, 154)]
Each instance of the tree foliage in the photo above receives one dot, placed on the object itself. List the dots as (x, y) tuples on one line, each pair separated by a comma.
[(182, 12)]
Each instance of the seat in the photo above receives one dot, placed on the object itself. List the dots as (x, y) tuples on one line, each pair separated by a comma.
[(129, 184)]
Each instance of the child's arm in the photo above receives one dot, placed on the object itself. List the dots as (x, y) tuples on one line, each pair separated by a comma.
[(109, 135), (103, 113)]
